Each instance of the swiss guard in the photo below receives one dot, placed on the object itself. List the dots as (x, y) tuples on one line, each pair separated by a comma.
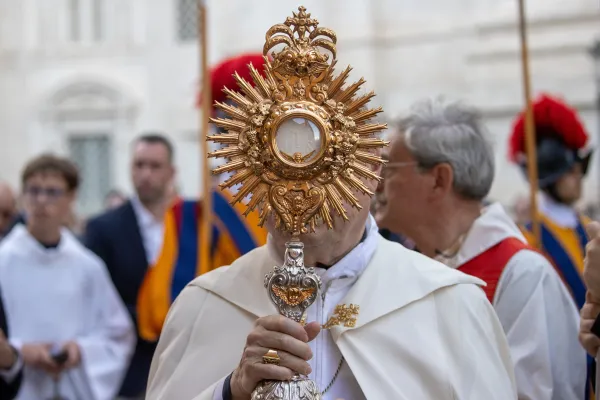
[(562, 161)]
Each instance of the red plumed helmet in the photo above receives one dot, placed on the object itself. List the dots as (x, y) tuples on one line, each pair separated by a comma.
[(552, 118), (221, 76)]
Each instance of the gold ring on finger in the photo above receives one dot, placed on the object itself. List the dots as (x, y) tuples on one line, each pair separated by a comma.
[(271, 357)]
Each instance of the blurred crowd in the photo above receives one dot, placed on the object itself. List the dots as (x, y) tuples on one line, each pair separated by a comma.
[(127, 238), (72, 289)]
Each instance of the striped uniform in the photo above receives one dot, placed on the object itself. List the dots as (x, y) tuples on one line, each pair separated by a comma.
[(233, 235)]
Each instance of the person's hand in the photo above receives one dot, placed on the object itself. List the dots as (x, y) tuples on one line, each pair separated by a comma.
[(589, 313), (8, 357), (591, 272), (275, 332), (74, 355), (37, 355)]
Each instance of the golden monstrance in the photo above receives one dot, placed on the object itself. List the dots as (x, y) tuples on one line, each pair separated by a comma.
[(299, 144)]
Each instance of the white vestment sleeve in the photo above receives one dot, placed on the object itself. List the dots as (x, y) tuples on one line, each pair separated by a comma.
[(477, 347), (541, 323), (172, 345), (107, 347), (218, 392)]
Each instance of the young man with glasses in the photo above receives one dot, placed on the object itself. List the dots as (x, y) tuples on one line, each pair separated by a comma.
[(66, 318)]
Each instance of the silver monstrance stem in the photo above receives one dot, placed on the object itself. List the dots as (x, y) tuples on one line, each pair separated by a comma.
[(293, 288)]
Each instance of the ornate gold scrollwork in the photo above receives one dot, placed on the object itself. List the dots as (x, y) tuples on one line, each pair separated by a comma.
[(298, 127)]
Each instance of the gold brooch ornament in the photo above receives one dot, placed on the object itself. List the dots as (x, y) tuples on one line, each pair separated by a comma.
[(343, 315), (299, 146)]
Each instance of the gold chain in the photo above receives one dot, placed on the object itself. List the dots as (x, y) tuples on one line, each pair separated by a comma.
[(337, 372)]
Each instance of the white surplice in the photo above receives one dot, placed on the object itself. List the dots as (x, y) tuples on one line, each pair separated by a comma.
[(536, 310), (424, 331), (61, 294)]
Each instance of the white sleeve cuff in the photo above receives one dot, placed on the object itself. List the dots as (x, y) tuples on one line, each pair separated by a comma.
[(9, 375), (218, 393)]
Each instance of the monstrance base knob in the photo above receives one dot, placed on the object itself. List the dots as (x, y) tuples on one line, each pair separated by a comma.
[(299, 388)]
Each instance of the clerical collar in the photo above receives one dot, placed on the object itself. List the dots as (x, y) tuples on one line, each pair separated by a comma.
[(49, 245), (321, 265)]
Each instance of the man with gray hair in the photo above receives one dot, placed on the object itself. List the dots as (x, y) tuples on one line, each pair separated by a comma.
[(441, 167)]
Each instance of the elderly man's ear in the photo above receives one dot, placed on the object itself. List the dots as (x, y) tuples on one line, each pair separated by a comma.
[(443, 179)]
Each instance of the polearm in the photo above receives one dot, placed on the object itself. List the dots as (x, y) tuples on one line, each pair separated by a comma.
[(205, 111), (529, 127)]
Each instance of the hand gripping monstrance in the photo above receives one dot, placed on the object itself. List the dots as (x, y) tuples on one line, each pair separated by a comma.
[(299, 144)]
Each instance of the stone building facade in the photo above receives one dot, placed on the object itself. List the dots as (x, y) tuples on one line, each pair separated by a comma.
[(84, 77)]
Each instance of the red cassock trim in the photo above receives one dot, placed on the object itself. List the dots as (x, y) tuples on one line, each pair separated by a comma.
[(489, 265)]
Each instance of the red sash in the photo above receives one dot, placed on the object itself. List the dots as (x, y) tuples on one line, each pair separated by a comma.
[(489, 265)]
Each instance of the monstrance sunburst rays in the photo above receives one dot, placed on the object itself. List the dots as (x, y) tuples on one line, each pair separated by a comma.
[(298, 83)]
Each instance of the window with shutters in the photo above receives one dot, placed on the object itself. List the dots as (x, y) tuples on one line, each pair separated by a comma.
[(92, 155), (187, 20)]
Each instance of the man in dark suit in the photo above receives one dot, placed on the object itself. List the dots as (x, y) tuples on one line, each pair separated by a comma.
[(11, 365), (129, 239)]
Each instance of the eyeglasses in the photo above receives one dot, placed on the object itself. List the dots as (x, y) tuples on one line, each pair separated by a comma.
[(52, 194), (387, 168)]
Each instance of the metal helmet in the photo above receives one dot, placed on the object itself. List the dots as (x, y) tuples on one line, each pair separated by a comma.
[(561, 140)]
